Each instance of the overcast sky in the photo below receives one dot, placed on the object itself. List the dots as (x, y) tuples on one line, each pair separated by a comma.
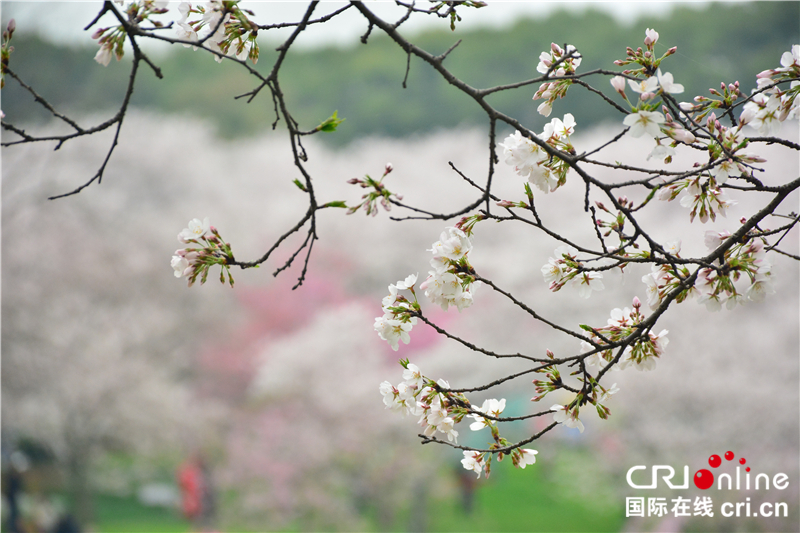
[(63, 21)]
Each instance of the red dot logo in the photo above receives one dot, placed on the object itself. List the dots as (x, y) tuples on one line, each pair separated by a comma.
[(742, 461), (729, 456), (703, 479), (714, 461)]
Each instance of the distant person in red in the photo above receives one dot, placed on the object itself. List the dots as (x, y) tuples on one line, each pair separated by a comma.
[(197, 493), (191, 483)]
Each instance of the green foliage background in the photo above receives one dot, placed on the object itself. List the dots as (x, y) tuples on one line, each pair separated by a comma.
[(722, 42)]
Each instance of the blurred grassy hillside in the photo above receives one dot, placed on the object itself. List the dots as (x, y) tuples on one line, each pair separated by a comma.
[(722, 42)]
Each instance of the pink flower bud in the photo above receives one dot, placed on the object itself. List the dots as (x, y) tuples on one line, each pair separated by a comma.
[(97, 34), (684, 136), (505, 203), (743, 220), (550, 354), (765, 74), (389, 168), (651, 36), (636, 303), (672, 50), (12, 25), (353, 181), (555, 48), (618, 83)]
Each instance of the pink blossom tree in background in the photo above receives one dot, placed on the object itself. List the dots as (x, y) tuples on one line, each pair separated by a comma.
[(634, 215)]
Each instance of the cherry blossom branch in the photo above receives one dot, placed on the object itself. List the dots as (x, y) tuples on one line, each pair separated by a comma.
[(504, 449)]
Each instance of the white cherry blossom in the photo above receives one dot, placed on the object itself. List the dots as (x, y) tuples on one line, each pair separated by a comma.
[(646, 86), (661, 151), (490, 407), (790, 59), (672, 247), (104, 54), (761, 286), (651, 36), (568, 419), (644, 122), (180, 265), (722, 171), (586, 282), (552, 271), (196, 229), (413, 376), (613, 389), (667, 83), (652, 294), (526, 457), (473, 461)]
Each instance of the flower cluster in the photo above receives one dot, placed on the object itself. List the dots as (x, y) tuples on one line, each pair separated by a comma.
[(664, 279), (701, 194), (398, 319), (480, 461), (644, 118), (379, 192), (531, 161), (568, 415), (490, 407), (646, 60), (641, 353), (193, 262), (440, 410), (715, 285), (111, 42), (553, 382), (742, 261), (229, 31), (565, 267), (417, 395), (561, 63), (616, 224), (592, 393), (452, 281), (766, 110)]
